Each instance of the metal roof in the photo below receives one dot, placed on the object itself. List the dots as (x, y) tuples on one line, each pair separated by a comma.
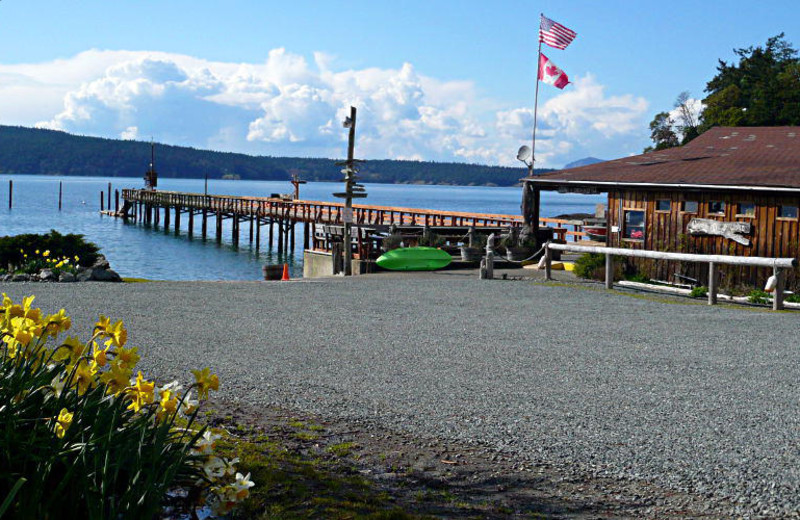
[(724, 157)]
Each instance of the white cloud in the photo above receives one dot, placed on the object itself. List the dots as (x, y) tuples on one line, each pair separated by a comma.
[(288, 106)]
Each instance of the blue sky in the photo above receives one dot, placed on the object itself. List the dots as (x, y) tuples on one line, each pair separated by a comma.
[(435, 80)]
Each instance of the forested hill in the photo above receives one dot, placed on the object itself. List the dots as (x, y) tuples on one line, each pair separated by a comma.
[(48, 152)]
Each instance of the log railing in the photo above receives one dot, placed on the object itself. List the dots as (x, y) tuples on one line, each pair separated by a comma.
[(779, 265)]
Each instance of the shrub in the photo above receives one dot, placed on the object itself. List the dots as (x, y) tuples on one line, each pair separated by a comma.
[(14, 248), (392, 242), (591, 266), (758, 296), (699, 292), (431, 240), (80, 438), (638, 277), (793, 298)]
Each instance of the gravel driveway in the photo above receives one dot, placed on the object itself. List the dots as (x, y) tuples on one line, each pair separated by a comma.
[(696, 398)]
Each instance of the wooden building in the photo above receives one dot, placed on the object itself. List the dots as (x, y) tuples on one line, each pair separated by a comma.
[(732, 191)]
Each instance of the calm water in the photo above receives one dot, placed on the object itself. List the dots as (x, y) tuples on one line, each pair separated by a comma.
[(135, 250)]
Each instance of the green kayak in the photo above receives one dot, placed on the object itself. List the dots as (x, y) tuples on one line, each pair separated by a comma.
[(414, 259)]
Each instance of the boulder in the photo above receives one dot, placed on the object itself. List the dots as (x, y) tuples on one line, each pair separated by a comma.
[(66, 277), (85, 275), (47, 275), (101, 263), (20, 277), (7, 277), (105, 275)]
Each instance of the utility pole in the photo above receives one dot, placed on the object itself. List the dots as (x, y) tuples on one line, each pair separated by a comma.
[(352, 190)]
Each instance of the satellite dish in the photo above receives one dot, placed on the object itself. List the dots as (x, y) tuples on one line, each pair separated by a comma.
[(524, 153)]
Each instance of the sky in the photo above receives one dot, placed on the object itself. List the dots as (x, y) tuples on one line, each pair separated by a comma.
[(439, 80)]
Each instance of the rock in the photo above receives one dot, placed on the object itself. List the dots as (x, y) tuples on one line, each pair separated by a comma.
[(101, 263), (20, 278), (105, 275), (7, 277), (47, 275), (66, 277), (85, 275)]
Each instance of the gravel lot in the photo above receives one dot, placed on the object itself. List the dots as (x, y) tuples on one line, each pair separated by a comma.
[(695, 398)]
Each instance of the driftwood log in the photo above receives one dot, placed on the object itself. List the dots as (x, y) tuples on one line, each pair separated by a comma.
[(730, 230)]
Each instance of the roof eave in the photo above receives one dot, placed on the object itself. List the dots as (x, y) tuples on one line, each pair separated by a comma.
[(556, 183)]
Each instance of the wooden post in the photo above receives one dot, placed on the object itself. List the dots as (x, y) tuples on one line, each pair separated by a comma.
[(10, 193), (305, 236), (777, 298), (548, 257), (166, 218), (177, 219), (109, 196), (280, 237), (204, 224), (251, 229), (258, 233), (291, 241), (60, 190), (102, 195), (271, 233), (191, 223), (219, 226), (235, 229), (116, 201), (609, 271), (712, 283)]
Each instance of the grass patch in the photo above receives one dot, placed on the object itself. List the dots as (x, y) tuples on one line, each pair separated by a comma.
[(136, 280)]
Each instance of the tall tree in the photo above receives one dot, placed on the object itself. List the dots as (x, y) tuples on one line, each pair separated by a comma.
[(762, 89), (662, 132)]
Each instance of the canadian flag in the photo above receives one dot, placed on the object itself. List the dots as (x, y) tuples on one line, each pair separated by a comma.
[(550, 74)]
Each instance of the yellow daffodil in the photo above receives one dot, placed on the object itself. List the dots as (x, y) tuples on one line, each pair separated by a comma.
[(206, 444), (116, 378), (46, 253), (141, 393), (63, 423), (102, 324), (128, 357), (205, 382), (85, 376), (58, 322), (100, 355), (117, 335), (71, 349), (37, 251)]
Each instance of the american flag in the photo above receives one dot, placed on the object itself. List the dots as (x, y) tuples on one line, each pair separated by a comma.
[(554, 34)]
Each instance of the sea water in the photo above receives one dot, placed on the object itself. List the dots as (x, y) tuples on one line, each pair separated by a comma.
[(152, 252)]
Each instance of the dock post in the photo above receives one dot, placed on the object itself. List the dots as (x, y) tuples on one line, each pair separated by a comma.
[(548, 257), (166, 219), (59, 194), (219, 227), (777, 297), (10, 193), (116, 201), (235, 230), (204, 224), (251, 229), (271, 231), (258, 233), (109, 196), (291, 240), (609, 271), (191, 223), (305, 236), (712, 283), (177, 220), (280, 237), (102, 195)]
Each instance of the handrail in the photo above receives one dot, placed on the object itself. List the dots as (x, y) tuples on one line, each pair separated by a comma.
[(778, 265)]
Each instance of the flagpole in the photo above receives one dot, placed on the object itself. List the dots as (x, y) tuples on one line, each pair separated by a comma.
[(536, 99)]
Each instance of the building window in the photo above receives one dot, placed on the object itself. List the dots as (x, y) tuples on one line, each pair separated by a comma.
[(689, 206), (746, 209), (634, 225), (787, 211), (716, 207), (663, 205)]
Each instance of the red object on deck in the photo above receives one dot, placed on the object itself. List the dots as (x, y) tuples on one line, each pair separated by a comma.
[(285, 277)]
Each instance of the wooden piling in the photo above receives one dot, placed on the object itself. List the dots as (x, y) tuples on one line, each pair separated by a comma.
[(204, 224), (102, 195), (305, 236), (59, 194), (166, 219), (235, 230), (191, 223), (258, 233), (116, 201), (280, 237), (109, 196), (177, 220), (219, 227), (271, 223), (10, 193), (251, 229), (291, 240)]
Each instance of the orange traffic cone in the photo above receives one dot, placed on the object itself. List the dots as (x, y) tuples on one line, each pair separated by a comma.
[(285, 277)]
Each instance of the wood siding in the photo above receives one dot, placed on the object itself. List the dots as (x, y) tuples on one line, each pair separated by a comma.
[(666, 231)]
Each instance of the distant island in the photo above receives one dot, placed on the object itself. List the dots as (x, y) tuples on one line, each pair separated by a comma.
[(586, 161), (36, 151)]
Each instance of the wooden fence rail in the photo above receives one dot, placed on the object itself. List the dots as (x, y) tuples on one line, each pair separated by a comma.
[(779, 265)]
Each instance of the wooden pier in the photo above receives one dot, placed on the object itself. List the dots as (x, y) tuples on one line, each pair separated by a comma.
[(281, 216)]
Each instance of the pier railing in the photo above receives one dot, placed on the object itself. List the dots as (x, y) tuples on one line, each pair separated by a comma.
[(332, 212)]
